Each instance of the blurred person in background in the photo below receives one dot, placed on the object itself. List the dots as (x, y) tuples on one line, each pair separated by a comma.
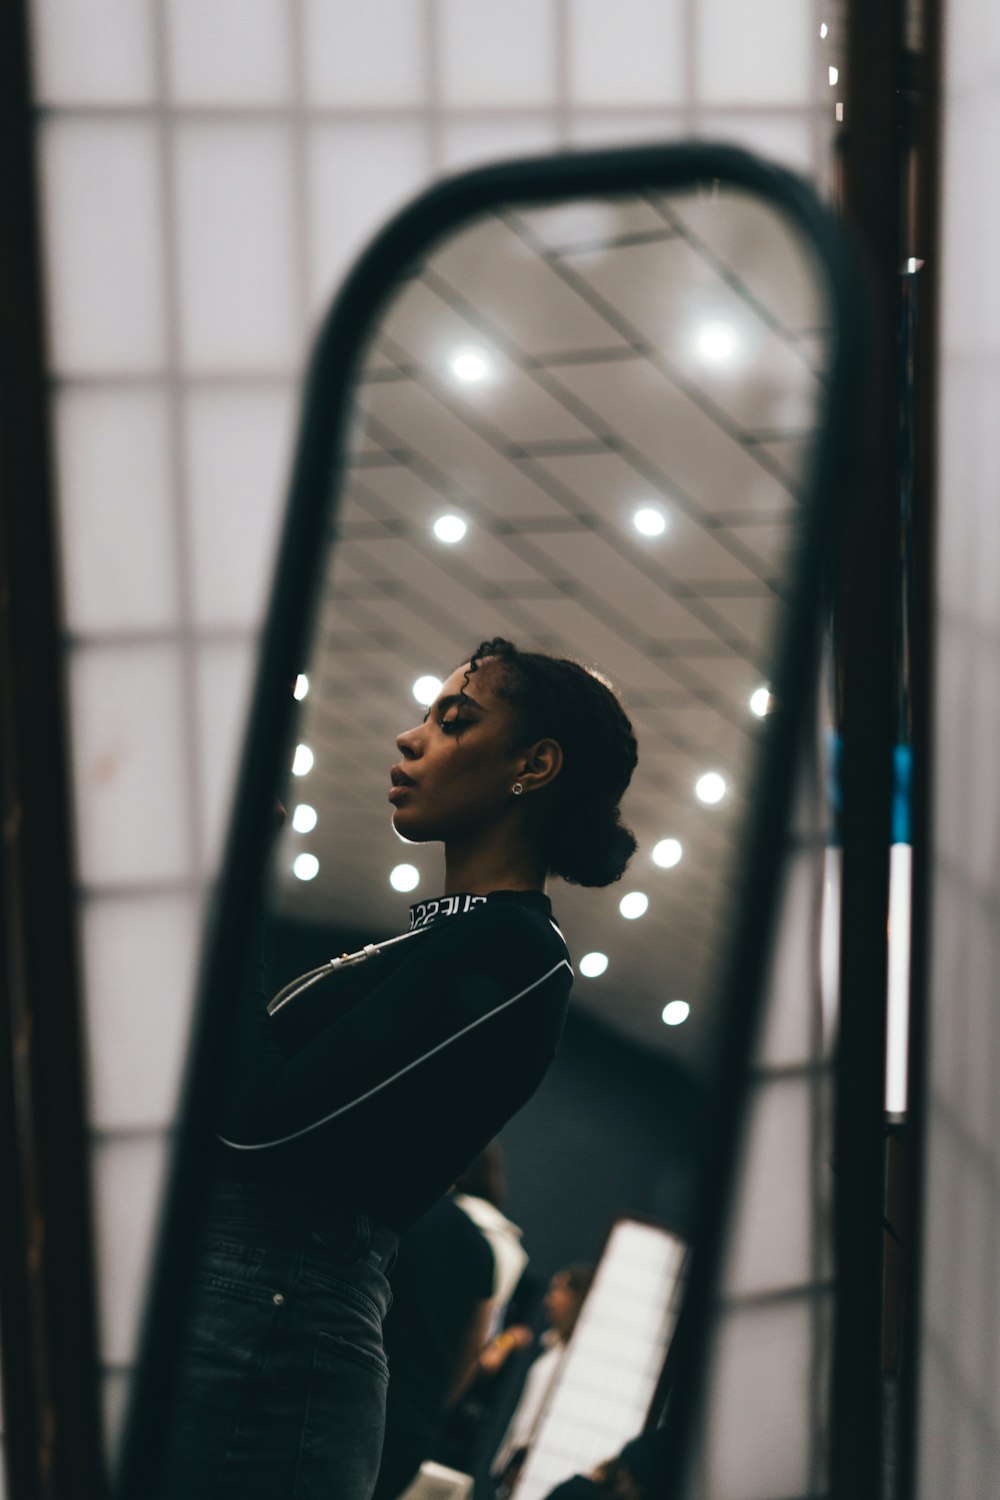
[(481, 1192), (442, 1300), (631, 1475), (563, 1302)]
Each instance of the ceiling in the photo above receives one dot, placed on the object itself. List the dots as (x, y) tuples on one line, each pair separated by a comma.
[(649, 350)]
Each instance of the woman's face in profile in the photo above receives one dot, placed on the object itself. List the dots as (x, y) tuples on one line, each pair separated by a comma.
[(457, 766)]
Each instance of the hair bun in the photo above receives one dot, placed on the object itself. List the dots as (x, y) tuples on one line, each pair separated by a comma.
[(594, 851)]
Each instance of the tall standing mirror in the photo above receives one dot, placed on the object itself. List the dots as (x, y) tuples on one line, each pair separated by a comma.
[(586, 407)]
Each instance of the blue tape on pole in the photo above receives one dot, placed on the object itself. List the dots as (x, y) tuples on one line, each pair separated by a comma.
[(902, 761)]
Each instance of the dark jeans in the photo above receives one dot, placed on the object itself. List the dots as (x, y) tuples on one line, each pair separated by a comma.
[(283, 1378)]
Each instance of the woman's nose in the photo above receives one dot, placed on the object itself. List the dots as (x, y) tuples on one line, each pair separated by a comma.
[(408, 743)]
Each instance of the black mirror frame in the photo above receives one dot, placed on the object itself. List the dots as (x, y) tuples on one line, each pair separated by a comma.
[(300, 570)]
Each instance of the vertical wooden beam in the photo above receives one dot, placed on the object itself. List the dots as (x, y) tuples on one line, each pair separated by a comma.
[(925, 244), (46, 1281), (870, 188)]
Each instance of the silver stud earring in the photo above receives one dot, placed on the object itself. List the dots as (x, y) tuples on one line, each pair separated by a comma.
[(517, 789)]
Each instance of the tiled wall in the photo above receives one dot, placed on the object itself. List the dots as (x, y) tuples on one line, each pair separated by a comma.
[(960, 1414), (208, 171)]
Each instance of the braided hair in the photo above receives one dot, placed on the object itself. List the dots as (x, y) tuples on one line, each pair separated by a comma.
[(553, 697)]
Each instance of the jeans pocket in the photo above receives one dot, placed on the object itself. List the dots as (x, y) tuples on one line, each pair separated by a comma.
[(345, 1244), (345, 1417)]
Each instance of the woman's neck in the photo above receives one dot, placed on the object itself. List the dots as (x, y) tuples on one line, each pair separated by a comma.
[(481, 870)]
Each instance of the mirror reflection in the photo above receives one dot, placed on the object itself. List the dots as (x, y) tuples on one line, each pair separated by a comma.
[(567, 527)]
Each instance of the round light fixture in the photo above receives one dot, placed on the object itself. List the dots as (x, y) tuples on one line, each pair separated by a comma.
[(667, 853), (426, 689), (633, 904), (649, 520), (306, 866), (717, 342), (450, 529), (592, 965), (711, 787), (303, 762), (760, 702), (404, 878), (304, 818), (469, 365), (301, 686), (676, 1011)]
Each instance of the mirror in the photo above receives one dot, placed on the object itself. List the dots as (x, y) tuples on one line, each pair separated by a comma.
[(585, 407)]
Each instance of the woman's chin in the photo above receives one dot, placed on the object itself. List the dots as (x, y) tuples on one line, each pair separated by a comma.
[(407, 830)]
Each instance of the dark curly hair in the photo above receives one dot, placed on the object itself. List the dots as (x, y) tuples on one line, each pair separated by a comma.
[(553, 697)]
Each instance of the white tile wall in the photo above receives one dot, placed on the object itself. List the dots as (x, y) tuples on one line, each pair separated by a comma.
[(763, 1370), (208, 173), (236, 253), (371, 56), (94, 52), (497, 55), (105, 244), (631, 50), (231, 52), (959, 1429), (130, 772), (115, 463), (236, 455)]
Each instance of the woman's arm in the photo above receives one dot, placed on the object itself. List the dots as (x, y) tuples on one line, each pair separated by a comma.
[(468, 975)]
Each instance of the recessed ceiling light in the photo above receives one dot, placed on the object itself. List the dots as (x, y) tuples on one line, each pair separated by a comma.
[(450, 529), (404, 878), (760, 702), (676, 1011), (303, 762), (823, 30), (633, 904), (304, 818), (650, 521), (592, 965), (301, 686), (711, 787), (426, 689), (834, 75), (306, 866), (717, 341), (667, 853), (470, 365)]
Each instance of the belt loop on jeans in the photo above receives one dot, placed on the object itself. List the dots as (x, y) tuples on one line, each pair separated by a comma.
[(363, 1241)]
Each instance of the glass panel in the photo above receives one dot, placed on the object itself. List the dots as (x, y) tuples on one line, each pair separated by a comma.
[(490, 56), (104, 246), (372, 55), (237, 444), (116, 510), (135, 1046), (229, 52), (93, 51), (129, 772), (632, 56), (236, 243), (754, 54)]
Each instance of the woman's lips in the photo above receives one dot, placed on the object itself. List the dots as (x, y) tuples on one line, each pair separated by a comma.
[(400, 783)]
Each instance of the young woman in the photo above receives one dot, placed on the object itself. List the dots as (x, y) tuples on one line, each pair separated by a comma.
[(354, 1107)]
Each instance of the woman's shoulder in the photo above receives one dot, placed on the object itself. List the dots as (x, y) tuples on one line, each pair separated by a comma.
[(503, 916)]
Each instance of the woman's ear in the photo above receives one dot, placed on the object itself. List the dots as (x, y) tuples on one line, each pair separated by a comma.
[(540, 765)]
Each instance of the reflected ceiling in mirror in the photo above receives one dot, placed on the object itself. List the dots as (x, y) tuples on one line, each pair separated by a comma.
[(616, 400)]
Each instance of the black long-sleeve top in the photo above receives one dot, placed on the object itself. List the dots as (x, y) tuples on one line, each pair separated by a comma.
[(380, 1084)]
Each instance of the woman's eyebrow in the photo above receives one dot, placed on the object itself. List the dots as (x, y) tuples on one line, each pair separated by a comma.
[(453, 699)]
